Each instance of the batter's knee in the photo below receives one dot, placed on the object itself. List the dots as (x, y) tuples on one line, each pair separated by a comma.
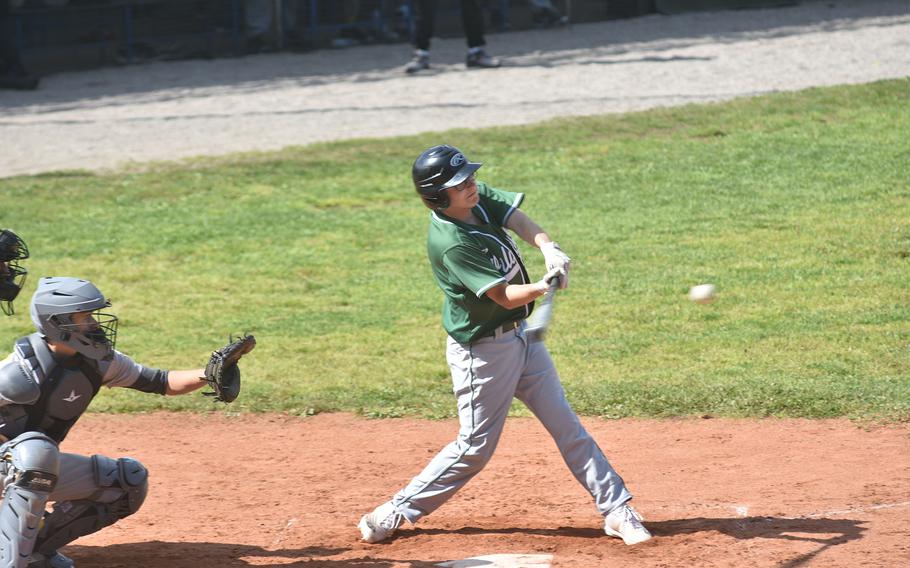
[(476, 453)]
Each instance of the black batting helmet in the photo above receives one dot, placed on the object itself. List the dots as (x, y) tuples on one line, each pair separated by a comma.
[(437, 169)]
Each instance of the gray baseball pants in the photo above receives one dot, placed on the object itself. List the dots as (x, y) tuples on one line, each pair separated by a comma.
[(486, 375), (77, 481)]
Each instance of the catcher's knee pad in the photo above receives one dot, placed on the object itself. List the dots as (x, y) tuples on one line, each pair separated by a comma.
[(30, 464), (125, 474), (72, 519)]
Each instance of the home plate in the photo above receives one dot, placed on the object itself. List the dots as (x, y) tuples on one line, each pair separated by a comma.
[(502, 561)]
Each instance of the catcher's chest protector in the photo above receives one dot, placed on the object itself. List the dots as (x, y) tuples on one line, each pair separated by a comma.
[(66, 392)]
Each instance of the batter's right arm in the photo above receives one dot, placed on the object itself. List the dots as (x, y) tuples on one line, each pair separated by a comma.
[(511, 296)]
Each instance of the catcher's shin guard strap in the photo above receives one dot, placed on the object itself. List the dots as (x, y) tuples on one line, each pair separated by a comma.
[(73, 519)]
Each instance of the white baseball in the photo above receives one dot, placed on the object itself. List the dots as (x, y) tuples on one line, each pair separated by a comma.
[(702, 294)]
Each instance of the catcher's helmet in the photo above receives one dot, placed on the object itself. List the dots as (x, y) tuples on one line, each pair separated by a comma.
[(437, 169), (52, 308), (12, 275)]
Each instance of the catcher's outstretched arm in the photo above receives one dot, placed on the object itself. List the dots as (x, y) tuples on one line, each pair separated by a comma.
[(182, 382)]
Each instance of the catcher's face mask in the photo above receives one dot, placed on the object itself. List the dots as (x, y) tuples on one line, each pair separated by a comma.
[(12, 279), (12, 275), (93, 334)]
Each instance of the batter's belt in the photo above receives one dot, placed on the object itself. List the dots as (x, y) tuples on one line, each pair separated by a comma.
[(506, 327)]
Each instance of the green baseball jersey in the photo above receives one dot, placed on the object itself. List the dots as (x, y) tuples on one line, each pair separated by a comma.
[(468, 260)]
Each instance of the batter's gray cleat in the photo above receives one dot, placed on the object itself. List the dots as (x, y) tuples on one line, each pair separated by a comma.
[(56, 560), (481, 60), (624, 522), (421, 62), (381, 524)]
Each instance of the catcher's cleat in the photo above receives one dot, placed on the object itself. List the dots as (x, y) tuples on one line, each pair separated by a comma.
[(55, 560), (624, 522), (381, 524)]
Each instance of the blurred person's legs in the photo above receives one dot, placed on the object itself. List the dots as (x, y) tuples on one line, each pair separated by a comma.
[(472, 20), (424, 19)]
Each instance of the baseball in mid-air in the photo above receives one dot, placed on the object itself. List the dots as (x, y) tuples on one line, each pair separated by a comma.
[(702, 294)]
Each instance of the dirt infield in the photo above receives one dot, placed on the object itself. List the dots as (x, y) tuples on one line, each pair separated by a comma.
[(269, 490)]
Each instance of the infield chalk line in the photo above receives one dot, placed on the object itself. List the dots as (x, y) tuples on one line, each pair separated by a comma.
[(857, 510), (501, 561), (291, 522), (743, 510)]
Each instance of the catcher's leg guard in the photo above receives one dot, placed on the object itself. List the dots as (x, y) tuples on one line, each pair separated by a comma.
[(72, 519), (30, 464)]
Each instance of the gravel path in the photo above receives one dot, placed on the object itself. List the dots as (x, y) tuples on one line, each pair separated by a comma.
[(109, 117)]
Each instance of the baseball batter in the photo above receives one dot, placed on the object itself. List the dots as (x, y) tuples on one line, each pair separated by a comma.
[(488, 295), (12, 274), (46, 383)]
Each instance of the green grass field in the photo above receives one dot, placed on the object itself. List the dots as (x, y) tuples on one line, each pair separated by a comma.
[(797, 206)]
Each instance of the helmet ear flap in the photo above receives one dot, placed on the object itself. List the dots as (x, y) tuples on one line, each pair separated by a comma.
[(437, 201)]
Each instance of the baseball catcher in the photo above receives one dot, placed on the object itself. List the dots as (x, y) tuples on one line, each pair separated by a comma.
[(488, 295), (46, 383), (12, 274)]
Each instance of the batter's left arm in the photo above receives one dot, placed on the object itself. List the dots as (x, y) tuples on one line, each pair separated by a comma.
[(533, 234), (525, 227)]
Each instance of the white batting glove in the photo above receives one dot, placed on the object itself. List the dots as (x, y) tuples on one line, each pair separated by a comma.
[(544, 284), (555, 258)]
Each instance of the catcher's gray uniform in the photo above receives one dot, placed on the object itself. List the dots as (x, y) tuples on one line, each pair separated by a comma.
[(43, 392), (41, 397)]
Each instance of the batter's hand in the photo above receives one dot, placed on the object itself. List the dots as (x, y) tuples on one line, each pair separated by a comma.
[(558, 273), (555, 258)]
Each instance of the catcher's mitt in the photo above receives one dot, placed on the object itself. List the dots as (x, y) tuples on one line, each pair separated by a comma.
[(222, 372)]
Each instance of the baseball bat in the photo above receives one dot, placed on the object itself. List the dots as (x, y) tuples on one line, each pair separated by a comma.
[(536, 329)]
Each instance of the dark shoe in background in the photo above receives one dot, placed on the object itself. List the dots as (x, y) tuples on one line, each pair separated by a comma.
[(419, 63), (481, 60)]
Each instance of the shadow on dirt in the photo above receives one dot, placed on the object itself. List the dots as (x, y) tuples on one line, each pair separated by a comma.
[(159, 554), (826, 532)]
